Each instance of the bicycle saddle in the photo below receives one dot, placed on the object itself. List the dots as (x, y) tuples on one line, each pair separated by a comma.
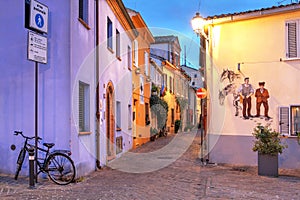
[(49, 145)]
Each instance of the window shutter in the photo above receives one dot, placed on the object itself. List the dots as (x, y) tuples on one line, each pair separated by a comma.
[(292, 39), (81, 107), (284, 120), (136, 53)]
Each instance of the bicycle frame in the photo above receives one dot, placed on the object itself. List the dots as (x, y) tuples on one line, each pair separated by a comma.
[(38, 149), (57, 164)]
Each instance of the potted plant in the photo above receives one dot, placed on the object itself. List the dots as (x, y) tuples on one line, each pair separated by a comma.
[(268, 145)]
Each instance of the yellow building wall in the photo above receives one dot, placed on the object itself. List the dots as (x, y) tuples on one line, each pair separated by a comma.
[(259, 46), (141, 129)]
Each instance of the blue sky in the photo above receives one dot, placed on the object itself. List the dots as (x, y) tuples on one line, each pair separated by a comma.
[(173, 16)]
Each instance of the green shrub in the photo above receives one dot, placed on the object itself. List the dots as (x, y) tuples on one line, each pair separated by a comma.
[(267, 141)]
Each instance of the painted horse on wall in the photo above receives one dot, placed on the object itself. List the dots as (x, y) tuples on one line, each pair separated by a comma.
[(230, 77)]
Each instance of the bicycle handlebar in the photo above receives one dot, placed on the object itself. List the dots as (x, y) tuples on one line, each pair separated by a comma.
[(26, 137)]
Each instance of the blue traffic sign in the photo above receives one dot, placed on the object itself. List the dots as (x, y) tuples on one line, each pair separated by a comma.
[(39, 20)]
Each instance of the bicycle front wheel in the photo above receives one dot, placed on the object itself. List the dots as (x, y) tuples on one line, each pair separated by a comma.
[(60, 168), (20, 162)]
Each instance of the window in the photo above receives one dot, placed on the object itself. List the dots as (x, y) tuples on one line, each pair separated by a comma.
[(119, 144), (109, 34), (172, 117), (147, 116), (166, 80), (83, 10), (118, 117), (295, 120), (129, 57), (129, 117), (195, 75), (289, 120), (84, 107), (136, 53), (170, 79), (118, 44), (141, 89), (146, 63), (292, 39)]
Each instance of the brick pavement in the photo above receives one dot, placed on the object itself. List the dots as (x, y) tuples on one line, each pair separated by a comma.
[(186, 178)]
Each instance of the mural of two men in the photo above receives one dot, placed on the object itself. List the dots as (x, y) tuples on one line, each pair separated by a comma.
[(246, 91)]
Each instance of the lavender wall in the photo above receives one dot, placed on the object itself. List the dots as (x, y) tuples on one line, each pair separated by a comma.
[(17, 80)]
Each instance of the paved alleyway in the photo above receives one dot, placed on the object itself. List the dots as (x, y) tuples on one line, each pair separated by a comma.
[(183, 179)]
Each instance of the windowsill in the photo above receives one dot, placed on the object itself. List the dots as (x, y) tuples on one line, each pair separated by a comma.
[(85, 133), (288, 136), (84, 23), (289, 59), (119, 58), (110, 49)]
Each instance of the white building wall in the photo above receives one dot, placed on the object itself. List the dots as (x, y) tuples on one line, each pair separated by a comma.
[(117, 72)]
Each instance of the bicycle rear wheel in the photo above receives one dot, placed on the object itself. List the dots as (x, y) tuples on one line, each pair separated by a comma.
[(60, 168), (20, 162)]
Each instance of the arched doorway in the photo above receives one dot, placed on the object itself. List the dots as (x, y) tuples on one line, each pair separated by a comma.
[(110, 121)]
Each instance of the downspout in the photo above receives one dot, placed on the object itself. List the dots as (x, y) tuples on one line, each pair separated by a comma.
[(97, 86)]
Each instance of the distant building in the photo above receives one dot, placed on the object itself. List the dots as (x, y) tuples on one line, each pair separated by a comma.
[(195, 83), (141, 80), (196, 76), (166, 48)]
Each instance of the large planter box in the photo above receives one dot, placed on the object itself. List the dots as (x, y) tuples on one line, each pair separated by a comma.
[(267, 165)]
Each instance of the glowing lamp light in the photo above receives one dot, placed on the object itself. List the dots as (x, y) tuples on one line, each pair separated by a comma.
[(198, 23)]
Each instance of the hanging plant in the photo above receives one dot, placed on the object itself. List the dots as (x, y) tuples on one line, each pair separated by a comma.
[(160, 109)]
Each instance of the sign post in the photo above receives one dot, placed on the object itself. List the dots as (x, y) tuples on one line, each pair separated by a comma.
[(36, 19), (202, 94)]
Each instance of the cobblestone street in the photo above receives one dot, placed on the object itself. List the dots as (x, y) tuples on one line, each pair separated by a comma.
[(185, 178)]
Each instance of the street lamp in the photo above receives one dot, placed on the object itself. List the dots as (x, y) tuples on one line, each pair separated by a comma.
[(198, 24)]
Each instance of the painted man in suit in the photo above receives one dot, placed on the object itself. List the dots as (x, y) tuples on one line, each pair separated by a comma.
[(246, 91), (262, 96)]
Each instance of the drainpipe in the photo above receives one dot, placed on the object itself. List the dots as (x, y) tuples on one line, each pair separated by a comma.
[(97, 86)]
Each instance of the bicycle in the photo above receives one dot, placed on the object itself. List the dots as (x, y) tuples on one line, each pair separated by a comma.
[(57, 164)]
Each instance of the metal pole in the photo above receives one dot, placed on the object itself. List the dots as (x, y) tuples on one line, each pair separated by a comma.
[(36, 117), (202, 128), (31, 168)]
